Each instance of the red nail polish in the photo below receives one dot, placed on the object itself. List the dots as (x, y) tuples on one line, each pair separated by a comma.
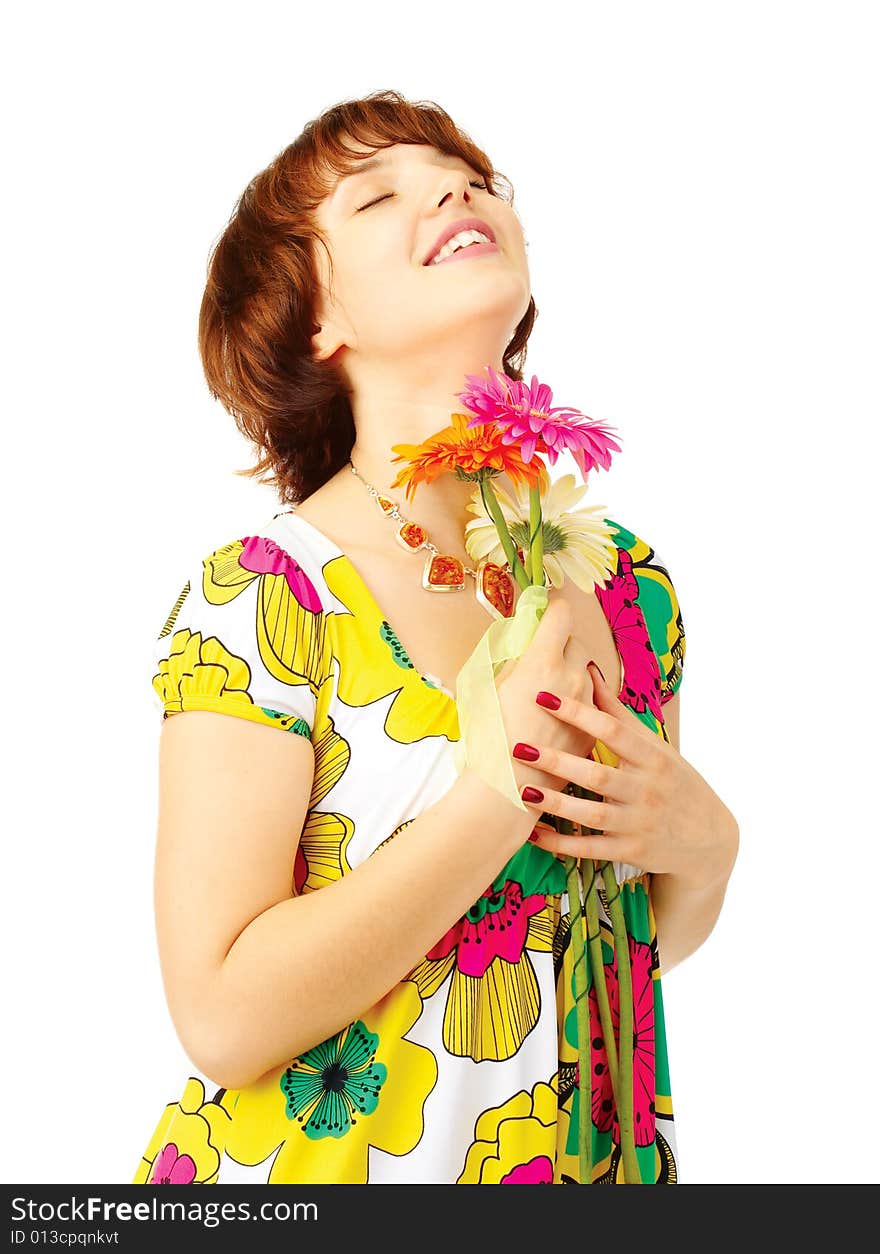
[(531, 794), (549, 700), (526, 753)]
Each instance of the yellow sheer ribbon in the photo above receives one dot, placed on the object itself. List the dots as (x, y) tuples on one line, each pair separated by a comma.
[(482, 743)]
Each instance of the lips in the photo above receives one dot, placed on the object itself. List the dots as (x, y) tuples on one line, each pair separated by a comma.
[(462, 254), (453, 228)]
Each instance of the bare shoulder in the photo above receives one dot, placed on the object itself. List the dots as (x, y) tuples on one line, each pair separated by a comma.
[(325, 509)]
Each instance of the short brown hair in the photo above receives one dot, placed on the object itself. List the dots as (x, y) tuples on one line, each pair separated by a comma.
[(256, 319)]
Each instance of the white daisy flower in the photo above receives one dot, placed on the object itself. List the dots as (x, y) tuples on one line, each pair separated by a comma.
[(578, 544)]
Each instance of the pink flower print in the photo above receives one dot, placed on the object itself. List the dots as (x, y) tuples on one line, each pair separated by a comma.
[(602, 1109), (496, 926), (300, 870), (644, 1078), (170, 1167), (536, 1171), (263, 556), (619, 600)]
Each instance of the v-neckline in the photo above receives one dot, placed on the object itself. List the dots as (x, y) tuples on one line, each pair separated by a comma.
[(431, 680)]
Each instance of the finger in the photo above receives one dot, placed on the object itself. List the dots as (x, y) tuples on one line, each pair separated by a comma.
[(606, 699), (615, 733), (604, 815), (541, 829), (602, 848), (609, 781)]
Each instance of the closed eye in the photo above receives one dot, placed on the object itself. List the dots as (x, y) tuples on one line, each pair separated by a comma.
[(482, 186)]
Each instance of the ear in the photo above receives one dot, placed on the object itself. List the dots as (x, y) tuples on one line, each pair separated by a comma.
[(328, 339), (334, 331)]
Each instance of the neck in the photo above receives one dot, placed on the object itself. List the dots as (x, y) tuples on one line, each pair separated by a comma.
[(439, 507), (393, 408)]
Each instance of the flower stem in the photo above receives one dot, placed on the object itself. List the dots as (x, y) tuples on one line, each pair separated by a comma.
[(582, 1005), (624, 978), (536, 536), (490, 501), (597, 964)]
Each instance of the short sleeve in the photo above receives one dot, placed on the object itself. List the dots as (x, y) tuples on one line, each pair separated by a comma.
[(243, 637), (673, 642)]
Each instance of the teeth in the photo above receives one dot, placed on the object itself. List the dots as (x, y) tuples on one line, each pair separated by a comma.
[(461, 240)]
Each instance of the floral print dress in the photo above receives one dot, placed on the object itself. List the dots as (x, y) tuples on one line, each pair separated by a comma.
[(465, 1072)]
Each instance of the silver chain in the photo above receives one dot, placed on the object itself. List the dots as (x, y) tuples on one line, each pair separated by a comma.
[(395, 513)]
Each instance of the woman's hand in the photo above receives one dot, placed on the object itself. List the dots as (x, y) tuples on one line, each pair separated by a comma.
[(658, 812), (556, 659)]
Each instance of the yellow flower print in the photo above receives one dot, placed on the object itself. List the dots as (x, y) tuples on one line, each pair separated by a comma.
[(373, 664), (188, 1142), (494, 1000), (291, 625), (515, 1143), (200, 672), (321, 852), (317, 1117)]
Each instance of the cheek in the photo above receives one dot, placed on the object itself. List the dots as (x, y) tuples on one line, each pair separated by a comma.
[(381, 295), (513, 230), (371, 275)]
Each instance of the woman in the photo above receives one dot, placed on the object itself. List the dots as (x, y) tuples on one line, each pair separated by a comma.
[(412, 1021)]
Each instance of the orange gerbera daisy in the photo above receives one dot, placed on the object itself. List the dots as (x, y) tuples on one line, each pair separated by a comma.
[(470, 453)]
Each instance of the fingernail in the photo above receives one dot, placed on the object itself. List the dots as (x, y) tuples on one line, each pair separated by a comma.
[(531, 794), (534, 835), (526, 753), (549, 700), (598, 668)]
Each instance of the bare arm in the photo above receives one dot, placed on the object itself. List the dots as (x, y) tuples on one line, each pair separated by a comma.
[(685, 913), (249, 996)]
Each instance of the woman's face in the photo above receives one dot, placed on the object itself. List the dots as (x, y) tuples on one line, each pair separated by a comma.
[(382, 303)]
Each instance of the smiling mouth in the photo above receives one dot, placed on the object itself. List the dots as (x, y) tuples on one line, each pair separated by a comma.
[(469, 250)]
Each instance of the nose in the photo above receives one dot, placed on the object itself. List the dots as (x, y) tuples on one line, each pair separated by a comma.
[(460, 186)]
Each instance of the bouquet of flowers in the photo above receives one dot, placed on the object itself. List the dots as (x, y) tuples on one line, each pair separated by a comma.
[(509, 428)]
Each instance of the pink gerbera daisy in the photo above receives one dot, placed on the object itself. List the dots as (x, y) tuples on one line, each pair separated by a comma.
[(526, 418)]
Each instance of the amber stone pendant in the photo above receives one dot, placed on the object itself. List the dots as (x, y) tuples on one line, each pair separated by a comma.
[(496, 589), (386, 504), (443, 573), (411, 536)]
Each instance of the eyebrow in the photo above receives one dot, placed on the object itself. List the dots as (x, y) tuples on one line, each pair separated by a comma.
[(362, 166)]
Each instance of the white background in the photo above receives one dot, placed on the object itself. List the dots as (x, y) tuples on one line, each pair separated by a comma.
[(698, 187)]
